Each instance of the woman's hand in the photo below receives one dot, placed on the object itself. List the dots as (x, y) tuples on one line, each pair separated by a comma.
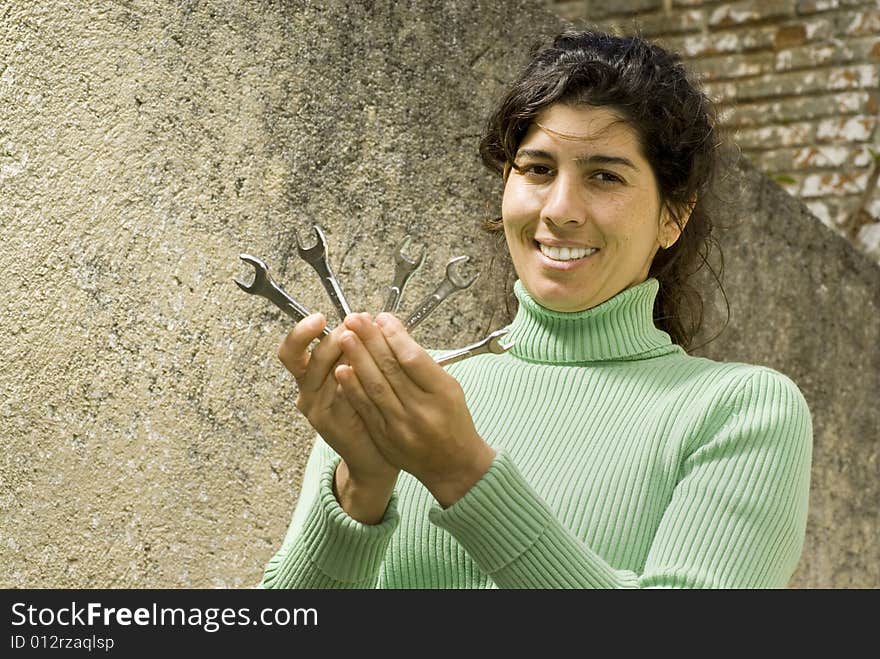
[(364, 480), (414, 411)]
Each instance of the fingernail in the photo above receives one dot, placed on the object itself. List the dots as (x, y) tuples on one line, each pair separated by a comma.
[(383, 319)]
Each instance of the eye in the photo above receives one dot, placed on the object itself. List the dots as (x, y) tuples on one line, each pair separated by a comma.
[(534, 170), (607, 177)]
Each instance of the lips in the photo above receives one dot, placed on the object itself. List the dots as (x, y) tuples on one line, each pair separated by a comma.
[(566, 253)]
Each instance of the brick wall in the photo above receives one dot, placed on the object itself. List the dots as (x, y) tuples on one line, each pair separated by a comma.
[(797, 83)]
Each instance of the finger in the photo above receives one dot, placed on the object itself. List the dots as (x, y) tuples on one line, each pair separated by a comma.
[(357, 397), (414, 361), (374, 383), (374, 341), (294, 349), (324, 357)]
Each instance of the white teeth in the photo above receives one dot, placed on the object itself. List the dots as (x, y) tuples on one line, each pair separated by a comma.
[(566, 253)]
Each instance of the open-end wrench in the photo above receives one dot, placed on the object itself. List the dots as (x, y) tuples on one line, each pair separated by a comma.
[(491, 344), (404, 267), (316, 256), (450, 284), (265, 287)]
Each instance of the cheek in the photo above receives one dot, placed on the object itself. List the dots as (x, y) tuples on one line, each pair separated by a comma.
[(507, 204), (631, 222), (517, 204)]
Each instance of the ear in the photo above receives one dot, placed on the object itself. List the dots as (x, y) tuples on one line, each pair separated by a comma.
[(670, 230)]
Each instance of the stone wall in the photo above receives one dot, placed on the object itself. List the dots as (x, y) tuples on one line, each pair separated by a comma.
[(797, 82), (803, 301), (150, 436)]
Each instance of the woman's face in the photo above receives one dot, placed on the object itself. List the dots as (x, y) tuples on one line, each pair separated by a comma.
[(581, 209)]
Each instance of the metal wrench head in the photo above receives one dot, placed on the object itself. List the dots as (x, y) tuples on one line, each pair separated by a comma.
[(495, 345), (491, 344), (316, 252), (405, 263), (261, 276), (453, 279)]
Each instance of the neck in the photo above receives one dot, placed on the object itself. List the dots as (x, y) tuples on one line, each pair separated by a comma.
[(619, 329)]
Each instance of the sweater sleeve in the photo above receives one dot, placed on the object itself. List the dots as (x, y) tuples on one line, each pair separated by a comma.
[(324, 547), (736, 517)]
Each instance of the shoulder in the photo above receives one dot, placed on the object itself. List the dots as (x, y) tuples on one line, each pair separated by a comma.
[(758, 404), (776, 403), (761, 388), (763, 413), (734, 385)]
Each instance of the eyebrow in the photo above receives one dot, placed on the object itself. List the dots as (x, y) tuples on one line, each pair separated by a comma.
[(595, 158)]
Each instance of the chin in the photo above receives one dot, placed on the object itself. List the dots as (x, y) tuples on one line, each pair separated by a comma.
[(559, 299), (569, 306)]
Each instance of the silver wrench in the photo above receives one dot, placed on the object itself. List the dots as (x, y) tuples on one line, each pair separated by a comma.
[(404, 268), (316, 256), (490, 345), (264, 286), (450, 284)]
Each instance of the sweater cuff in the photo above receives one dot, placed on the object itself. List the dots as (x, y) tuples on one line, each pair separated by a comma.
[(339, 545), (498, 519)]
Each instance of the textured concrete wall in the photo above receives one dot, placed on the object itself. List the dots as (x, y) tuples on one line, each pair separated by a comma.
[(803, 301), (798, 85), (149, 431)]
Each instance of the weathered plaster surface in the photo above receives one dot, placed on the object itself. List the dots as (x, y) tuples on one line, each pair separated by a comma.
[(805, 302), (149, 430)]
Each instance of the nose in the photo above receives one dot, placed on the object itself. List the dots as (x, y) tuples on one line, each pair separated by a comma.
[(565, 203)]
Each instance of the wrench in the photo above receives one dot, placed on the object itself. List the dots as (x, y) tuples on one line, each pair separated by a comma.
[(447, 287), (490, 345), (316, 256), (265, 287), (404, 268)]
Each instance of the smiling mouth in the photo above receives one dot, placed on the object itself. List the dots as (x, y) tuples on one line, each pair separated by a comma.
[(563, 254)]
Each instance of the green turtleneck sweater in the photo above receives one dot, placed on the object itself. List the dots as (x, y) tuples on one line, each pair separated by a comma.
[(622, 462)]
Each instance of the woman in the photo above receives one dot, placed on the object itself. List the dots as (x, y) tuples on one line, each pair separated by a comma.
[(596, 453)]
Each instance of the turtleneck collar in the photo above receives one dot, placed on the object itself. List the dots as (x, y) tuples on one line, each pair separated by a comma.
[(620, 329)]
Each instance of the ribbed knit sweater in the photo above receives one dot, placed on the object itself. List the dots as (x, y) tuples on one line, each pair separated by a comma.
[(622, 462)]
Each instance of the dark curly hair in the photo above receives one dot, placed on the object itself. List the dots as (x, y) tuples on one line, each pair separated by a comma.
[(649, 89)]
